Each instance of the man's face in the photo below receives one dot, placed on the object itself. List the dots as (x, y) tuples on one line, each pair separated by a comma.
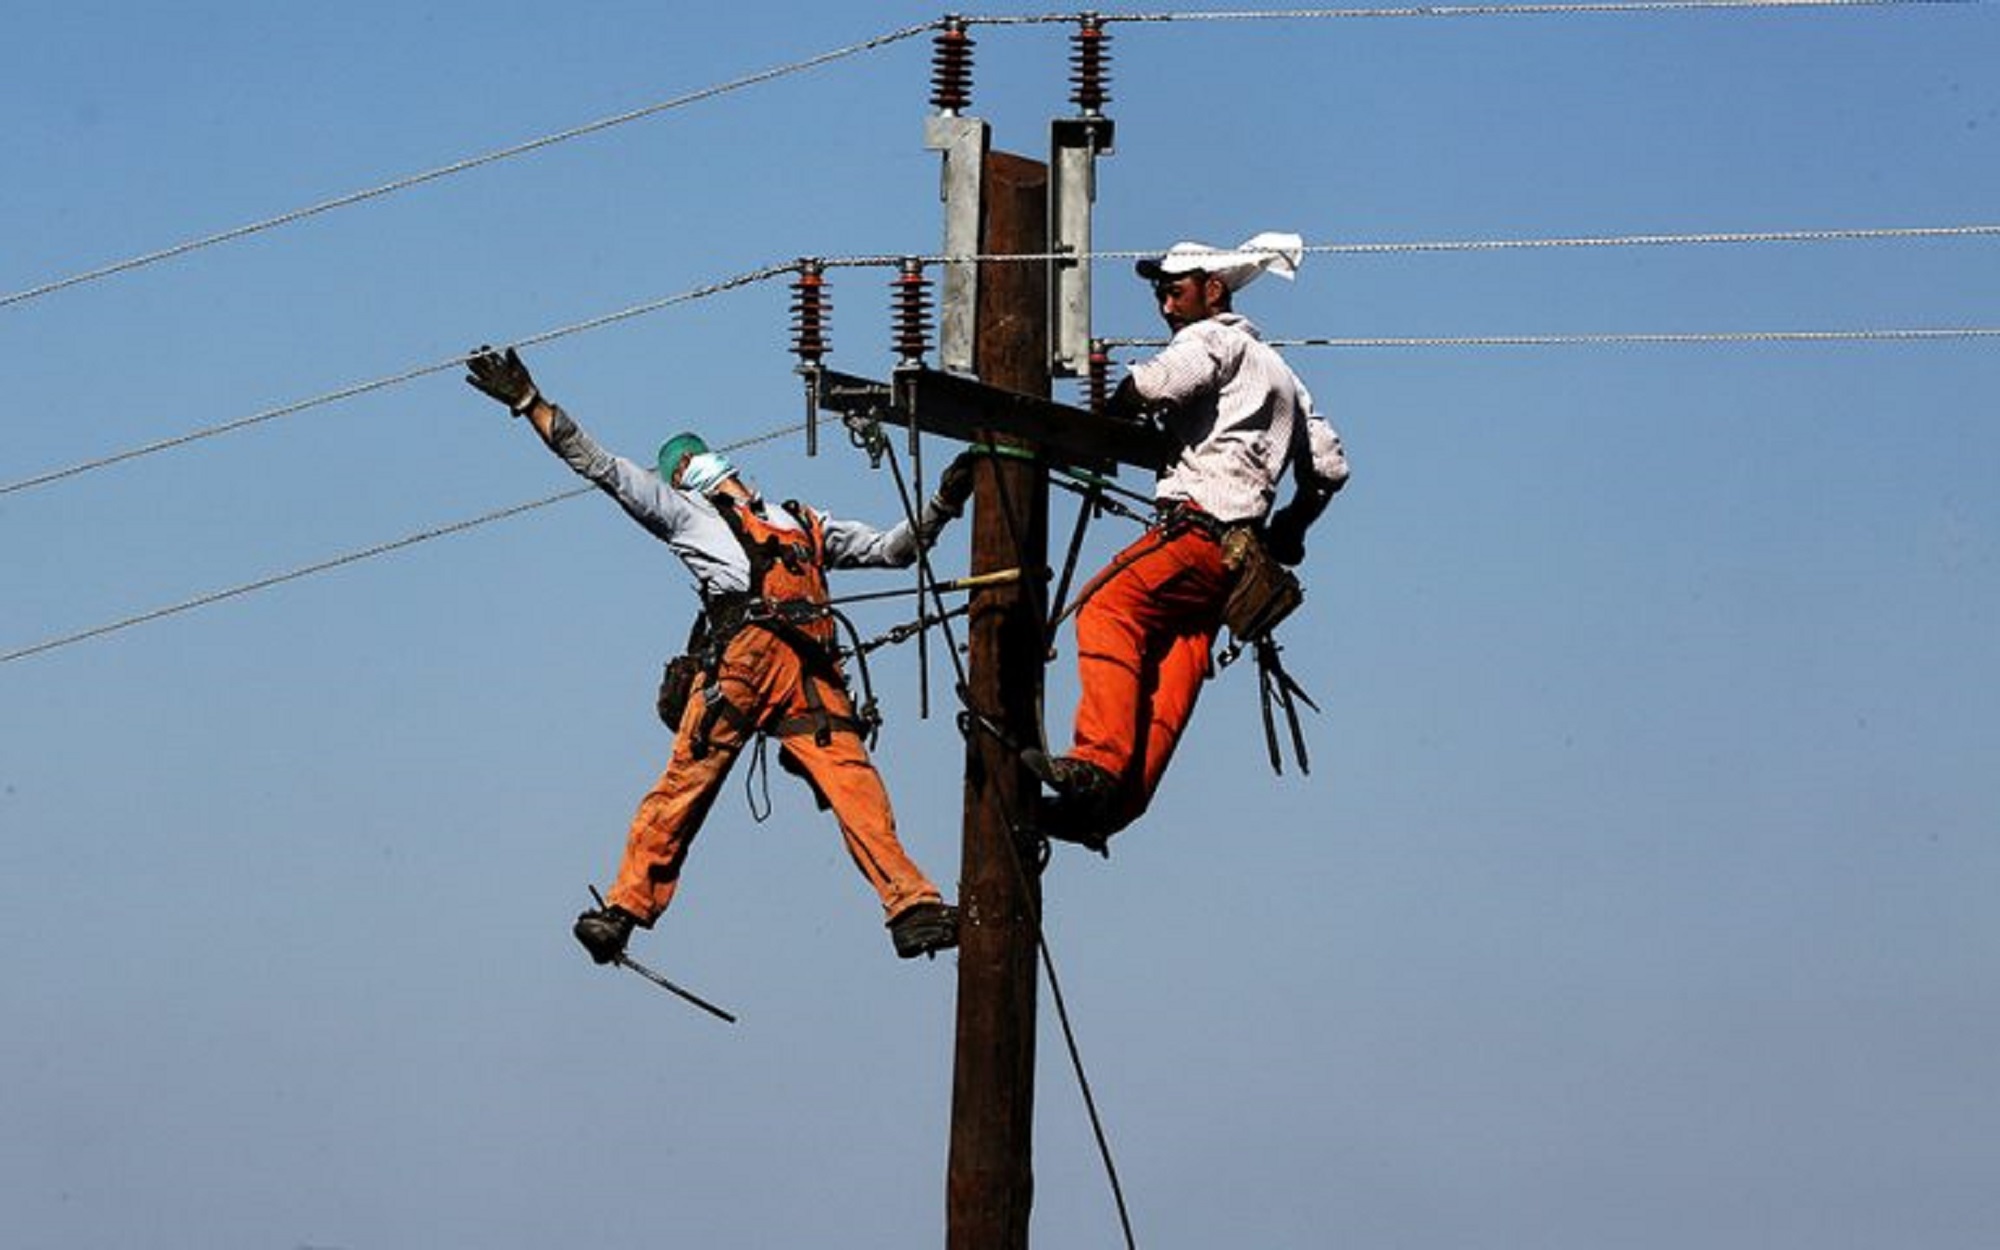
[(1188, 297)]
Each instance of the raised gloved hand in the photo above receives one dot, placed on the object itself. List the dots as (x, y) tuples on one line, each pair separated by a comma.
[(1285, 535), (503, 377), (955, 483)]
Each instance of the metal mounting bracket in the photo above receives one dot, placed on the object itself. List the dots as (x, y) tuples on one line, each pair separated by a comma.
[(970, 411), (963, 141), (1076, 142)]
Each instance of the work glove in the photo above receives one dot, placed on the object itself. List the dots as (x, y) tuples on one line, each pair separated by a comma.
[(505, 378), (955, 483), (1285, 535), (1124, 402)]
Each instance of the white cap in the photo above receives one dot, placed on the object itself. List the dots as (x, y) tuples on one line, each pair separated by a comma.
[(1236, 267)]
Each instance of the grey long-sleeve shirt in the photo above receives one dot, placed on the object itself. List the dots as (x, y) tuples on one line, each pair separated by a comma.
[(688, 523)]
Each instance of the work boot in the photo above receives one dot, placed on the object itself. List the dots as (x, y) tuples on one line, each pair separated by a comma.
[(1084, 797), (924, 929), (1078, 821), (1070, 776), (604, 931)]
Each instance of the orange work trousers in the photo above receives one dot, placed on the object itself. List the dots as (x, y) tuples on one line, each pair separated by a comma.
[(1143, 639), (764, 680)]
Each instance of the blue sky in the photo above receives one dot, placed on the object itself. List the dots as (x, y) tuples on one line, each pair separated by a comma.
[(1640, 893)]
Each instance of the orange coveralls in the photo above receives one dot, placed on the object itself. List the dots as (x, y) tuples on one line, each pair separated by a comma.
[(1143, 636), (764, 676), (765, 681)]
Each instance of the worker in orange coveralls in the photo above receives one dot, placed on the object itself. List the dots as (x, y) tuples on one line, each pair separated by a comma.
[(765, 659), (1241, 421)]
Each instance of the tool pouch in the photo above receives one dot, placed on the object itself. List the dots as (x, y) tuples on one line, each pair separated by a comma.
[(676, 688), (1264, 591)]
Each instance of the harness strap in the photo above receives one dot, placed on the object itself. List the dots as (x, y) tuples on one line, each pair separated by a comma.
[(1085, 509), (821, 724), (717, 708), (816, 714), (1111, 570), (730, 613), (1178, 516), (1173, 519), (725, 617)]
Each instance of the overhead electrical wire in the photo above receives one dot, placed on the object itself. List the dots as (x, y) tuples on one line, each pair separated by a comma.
[(764, 273), (1594, 340), (1640, 339), (461, 166), (1580, 8), (382, 383), (1391, 248), (279, 579), (1707, 238), (467, 164), (1710, 238), (336, 562)]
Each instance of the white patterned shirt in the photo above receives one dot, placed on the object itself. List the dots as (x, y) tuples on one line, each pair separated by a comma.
[(1241, 418)]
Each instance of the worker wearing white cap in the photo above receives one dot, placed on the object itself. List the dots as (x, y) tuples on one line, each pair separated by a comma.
[(1242, 421)]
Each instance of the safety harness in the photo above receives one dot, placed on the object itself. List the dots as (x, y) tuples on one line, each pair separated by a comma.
[(787, 598)]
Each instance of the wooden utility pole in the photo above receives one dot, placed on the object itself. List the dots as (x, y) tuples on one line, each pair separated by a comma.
[(990, 1183), (1000, 205)]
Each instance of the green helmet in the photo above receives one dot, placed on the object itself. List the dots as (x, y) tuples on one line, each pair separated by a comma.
[(671, 451)]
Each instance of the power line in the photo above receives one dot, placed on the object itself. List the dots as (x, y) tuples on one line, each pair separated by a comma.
[(336, 562), (767, 272), (461, 166), (279, 579), (1453, 10), (1661, 240), (1710, 238), (1691, 338), (382, 383), (1461, 341), (896, 36), (1525, 10), (226, 427)]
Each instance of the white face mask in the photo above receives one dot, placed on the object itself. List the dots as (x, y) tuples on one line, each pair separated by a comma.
[(706, 471)]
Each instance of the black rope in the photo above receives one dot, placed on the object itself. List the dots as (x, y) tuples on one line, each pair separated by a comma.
[(1095, 498), (1078, 482), (1119, 565), (1085, 509), (869, 713), (926, 583), (759, 770)]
